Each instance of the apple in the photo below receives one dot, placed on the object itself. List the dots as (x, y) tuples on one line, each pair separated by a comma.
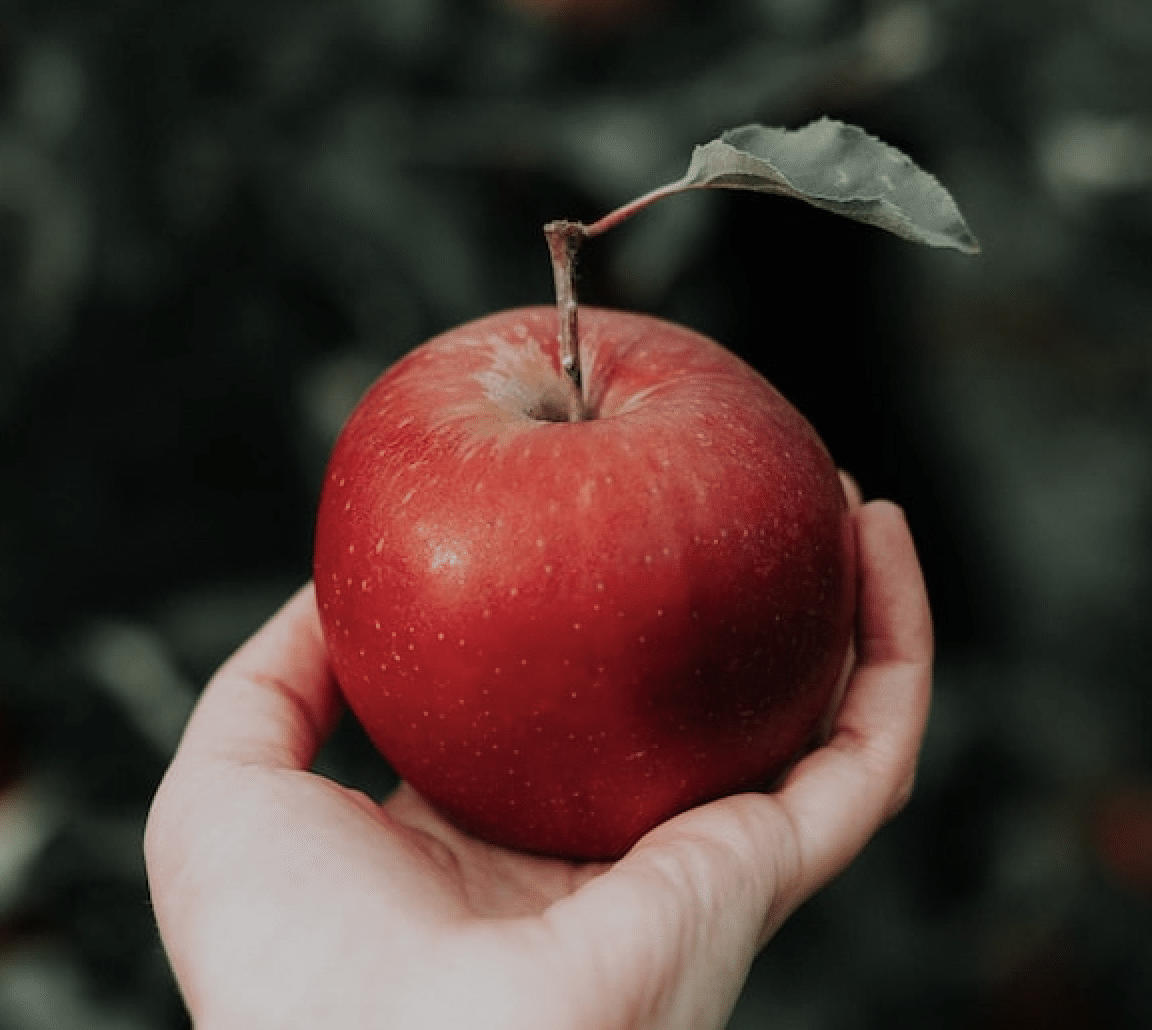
[(561, 633)]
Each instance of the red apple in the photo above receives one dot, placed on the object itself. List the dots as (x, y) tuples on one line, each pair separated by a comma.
[(563, 633)]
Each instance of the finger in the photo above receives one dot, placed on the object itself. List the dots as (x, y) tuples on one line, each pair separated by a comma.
[(851, 490), (895, 623), (840, 794), (275, 701)]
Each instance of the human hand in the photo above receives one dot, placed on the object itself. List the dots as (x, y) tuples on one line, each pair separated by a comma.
[(286, 900)]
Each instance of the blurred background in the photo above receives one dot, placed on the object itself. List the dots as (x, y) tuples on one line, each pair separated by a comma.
[(220, 220)]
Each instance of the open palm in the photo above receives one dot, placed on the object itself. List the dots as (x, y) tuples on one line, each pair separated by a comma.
[(286, 900)]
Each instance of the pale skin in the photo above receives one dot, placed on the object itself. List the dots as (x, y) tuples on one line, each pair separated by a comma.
[(285, 900)]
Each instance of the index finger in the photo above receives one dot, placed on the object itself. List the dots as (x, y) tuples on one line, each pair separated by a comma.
[(275, 701)]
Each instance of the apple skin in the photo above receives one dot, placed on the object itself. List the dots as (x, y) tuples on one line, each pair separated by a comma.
[(563, 633)]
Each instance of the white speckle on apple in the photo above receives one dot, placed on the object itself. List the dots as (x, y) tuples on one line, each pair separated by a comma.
[(548, 569), (439, 636), (443, 555), (408, 496), (513, 591), (486, 614), (576, 626)]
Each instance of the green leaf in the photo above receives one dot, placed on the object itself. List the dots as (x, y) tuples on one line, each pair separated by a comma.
[(830, 165), (839, 168)]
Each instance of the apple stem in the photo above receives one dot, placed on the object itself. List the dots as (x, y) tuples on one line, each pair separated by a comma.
[(564, 239), (563, 244)]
